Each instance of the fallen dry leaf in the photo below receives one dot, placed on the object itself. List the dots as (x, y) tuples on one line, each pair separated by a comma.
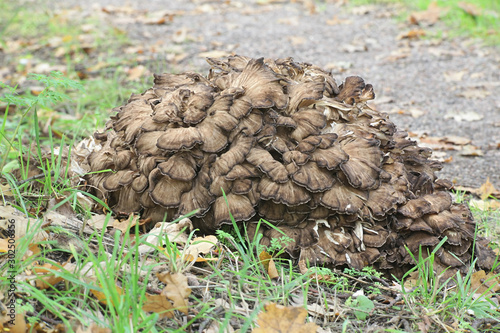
[(429, 16), (456, 140), (278, 318), (46, 276), (127, 10), (124, 226), (5, 190), (93, 328), (475, 93), (158, 304), (454, 76), (267, 261), (297, 40), (157, 18), (470, 150), (101, 221), (481, 282), (101, 296), (355, 46), (485, 205), (321, 311), (400, 53), (464, 116), (335, 20), (476, 191), (470, 8), (4, 245), (136, 73), (177, 290), (412, 34), (176, 233), (200, 245), (22, 223), (487, 189), (19, 325), (425, 324)]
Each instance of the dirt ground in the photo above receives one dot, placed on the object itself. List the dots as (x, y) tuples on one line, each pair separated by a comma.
[(440, 89)]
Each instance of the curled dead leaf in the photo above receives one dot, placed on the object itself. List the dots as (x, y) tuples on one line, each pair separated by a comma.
[(267, 261)]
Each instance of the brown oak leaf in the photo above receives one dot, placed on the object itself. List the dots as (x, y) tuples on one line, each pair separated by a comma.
[(177, 290), (278, 318)]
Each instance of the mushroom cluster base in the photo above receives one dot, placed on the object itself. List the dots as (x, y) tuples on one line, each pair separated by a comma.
[(285, 143)]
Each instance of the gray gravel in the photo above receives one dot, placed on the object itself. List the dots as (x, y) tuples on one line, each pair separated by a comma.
[(411, 73)]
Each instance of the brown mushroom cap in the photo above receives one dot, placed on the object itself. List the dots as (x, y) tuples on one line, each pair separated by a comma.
[(281, 141)]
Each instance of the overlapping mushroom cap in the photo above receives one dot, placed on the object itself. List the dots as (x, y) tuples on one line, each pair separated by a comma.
[(286, 144)]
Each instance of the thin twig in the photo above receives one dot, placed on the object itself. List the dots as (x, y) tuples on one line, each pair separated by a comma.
[(45, 318), (361, 281), (42, 175)]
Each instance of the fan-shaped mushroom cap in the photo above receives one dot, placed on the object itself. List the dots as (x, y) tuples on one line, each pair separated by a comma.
[(309, 122), (239, 206), (351, 90), (261, 85), (175, 139), (286, 193), (166, 191), (266, 163), (344, 198), (304, 94), (363, 167), (430, 203), (180, 167), (131, 117), (314, 178)]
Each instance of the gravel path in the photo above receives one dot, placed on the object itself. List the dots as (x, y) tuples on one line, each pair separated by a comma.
[(441, 87)]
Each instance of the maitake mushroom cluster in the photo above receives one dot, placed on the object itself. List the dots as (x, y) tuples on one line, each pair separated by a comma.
[(285, 143)]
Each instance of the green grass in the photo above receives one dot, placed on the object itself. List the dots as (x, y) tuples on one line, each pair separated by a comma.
[(485, 26), (75, 44)]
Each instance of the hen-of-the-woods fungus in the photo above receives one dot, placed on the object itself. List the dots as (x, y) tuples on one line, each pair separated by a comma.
[(285, 143)]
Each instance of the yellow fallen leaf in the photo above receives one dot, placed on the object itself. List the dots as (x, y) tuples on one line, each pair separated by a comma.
[(278, 318), (5, 190), (4, 245), (267, 261), (18, 326), (482, 282), (486, 189), (46, 277), (101, 296)]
